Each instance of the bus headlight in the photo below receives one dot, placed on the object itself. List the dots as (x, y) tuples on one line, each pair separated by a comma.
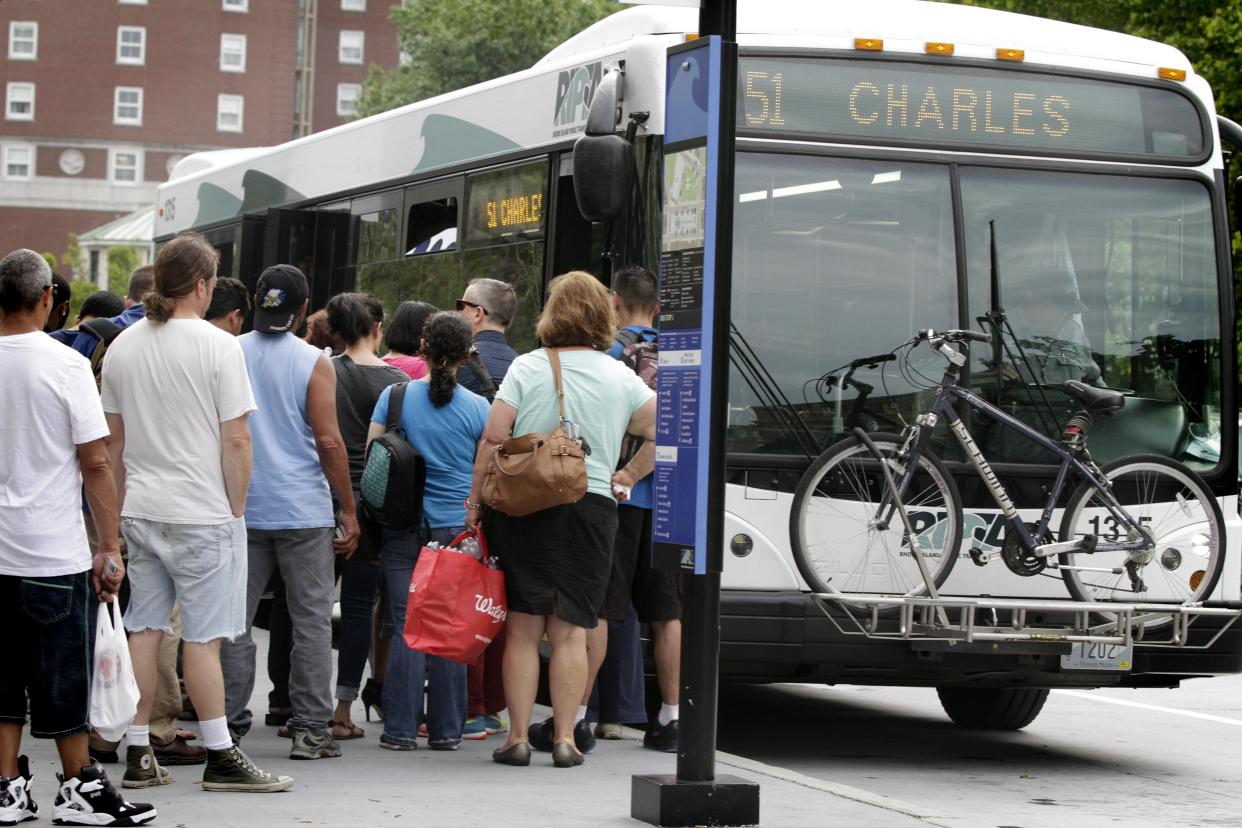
[(741, 545)]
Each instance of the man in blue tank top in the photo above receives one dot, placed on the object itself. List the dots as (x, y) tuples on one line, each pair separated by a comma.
[(298, 452)]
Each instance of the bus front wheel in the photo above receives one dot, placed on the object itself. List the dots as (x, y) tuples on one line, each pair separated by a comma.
[(992, 708)]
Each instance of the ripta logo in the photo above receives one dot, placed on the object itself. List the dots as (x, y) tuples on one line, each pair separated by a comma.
[(575, 88), (983, 531)]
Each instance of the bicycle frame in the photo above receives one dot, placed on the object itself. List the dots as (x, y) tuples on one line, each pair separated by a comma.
[(943, 406)]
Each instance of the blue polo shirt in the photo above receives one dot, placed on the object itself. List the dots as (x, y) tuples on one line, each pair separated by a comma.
[(496, 356), (641, 495), (86, 341)]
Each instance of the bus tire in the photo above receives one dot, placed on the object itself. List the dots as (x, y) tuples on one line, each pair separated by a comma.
[(992, 708)]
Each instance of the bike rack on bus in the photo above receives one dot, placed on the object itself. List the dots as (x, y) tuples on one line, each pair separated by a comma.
[(1009, 624)]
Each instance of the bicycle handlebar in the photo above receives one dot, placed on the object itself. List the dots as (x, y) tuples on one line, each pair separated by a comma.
[(953, 336)]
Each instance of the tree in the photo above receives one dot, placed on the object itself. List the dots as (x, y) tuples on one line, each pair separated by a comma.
[(50, 258), (72, 257), (455, 43), (121, 263), (81, 288)]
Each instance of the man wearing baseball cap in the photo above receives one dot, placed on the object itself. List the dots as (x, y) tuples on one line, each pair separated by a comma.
[(298, 453)]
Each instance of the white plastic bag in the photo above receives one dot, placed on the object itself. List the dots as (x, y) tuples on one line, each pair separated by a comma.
[(114, 691)]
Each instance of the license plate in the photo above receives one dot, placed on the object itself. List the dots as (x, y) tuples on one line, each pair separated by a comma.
[(1092, 655)]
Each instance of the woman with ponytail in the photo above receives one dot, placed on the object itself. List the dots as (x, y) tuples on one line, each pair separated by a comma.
[(357, 321), (444, 422)]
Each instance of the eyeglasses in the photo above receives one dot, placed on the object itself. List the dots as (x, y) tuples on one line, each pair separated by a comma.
[(462, 304)]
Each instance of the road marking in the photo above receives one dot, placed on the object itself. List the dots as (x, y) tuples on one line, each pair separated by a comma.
[(1207, 717)]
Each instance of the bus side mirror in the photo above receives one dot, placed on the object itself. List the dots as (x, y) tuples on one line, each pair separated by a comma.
[(603, 160)]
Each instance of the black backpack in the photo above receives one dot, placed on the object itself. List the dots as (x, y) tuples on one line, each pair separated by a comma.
[(395, 473), (105, 330)]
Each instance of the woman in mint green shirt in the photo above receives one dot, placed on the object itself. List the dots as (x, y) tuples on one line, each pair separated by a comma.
[(557, 561)]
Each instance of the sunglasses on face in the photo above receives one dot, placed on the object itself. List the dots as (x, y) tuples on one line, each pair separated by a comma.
[(462, 304)]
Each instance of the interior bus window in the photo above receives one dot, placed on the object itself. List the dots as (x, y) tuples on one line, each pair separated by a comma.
[(431, 227)]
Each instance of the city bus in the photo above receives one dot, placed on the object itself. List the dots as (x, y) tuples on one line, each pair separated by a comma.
[(883, 149)]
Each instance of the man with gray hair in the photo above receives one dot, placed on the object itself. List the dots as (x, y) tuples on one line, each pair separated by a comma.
[(52, 444), (489, 305)]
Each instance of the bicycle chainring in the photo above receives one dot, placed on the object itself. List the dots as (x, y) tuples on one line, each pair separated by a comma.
[(1018, 559)]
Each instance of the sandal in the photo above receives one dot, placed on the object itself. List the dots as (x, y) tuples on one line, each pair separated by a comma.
[(346, 730)]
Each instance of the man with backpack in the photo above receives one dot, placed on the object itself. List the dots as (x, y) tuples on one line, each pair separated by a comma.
[(96, 336), (654, 593), (299, 462)]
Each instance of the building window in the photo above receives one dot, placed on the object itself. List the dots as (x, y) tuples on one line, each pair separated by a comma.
[(237, 5), (131, 45), (232, 53), (132, 2), (229, 110), (351, 46), (354, 5), (19, 102), (127, 106), (18, 162), (125, 165), (347, 99), (23, 40)]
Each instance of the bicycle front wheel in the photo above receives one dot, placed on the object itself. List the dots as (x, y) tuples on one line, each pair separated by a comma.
[(1175, 507), (845, 540)]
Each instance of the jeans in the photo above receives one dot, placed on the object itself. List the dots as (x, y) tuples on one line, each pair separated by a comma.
[(403, 689), (49, 625), (305, 558), (620, 691), (359, 580)]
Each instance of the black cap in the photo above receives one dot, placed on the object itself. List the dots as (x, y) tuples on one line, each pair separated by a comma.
[(281, 291)]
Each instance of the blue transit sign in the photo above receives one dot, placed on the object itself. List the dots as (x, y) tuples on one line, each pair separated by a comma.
[(687, 308)]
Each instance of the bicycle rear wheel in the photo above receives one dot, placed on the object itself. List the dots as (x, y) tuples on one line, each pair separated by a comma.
[(1172, 503), (838, 544)]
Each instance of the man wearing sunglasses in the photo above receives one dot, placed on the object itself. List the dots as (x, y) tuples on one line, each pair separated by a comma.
[(488, 305)]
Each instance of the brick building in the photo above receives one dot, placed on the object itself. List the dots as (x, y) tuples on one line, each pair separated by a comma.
[(102, 98)]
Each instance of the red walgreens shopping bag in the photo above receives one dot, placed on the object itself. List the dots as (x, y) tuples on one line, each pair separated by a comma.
[(456, 604)]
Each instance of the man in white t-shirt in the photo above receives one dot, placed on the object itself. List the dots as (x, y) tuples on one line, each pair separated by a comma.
[(176, 396), (52, 434)]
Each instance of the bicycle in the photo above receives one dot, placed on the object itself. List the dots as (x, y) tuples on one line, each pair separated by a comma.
[(881, 514)]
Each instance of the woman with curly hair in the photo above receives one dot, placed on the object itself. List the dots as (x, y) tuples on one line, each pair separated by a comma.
[(557, 561), (444, 422)]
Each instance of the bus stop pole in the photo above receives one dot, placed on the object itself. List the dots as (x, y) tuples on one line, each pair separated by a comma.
[(696, 795)]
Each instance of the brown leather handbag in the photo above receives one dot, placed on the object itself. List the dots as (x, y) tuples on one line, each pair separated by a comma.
[(533, 472)]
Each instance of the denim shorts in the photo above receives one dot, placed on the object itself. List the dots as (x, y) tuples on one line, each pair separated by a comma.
[(49, 624), (204, 567)]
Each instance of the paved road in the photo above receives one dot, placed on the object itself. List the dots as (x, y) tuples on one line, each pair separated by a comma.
[(1099, 758)]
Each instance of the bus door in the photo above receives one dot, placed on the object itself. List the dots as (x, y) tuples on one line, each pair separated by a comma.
[(289, 238)]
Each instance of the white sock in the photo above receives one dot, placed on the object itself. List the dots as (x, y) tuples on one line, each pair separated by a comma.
[(669, 713), (582, 711), (138, 735), (216, 734)]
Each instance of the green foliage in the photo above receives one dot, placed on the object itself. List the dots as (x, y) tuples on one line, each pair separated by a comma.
[(121, 263), (456, 43), (72, 257), (50, 258)]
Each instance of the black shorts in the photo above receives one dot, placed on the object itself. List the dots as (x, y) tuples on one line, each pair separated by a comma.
[(50, 626), (655, 593), (556, 561)]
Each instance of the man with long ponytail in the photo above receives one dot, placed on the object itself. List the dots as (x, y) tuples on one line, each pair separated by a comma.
[(177, 398)]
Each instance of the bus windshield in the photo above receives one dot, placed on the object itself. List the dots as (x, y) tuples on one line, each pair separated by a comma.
[(1110, 280)]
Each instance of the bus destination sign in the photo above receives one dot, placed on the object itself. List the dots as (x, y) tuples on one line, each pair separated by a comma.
[(506, 204), (999, 109)]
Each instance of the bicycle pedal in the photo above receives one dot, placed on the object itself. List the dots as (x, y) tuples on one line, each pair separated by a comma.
[(980, 557)]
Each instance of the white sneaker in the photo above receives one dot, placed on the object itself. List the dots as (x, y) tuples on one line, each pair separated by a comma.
[(90, 799), (15, 802)]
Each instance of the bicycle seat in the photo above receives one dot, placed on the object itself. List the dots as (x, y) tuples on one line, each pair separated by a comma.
[(1101, 401)]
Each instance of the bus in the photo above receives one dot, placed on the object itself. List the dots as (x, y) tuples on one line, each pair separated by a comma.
[(883, 149)]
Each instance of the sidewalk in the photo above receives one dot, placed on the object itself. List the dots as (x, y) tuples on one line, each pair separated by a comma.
[(371, 786)]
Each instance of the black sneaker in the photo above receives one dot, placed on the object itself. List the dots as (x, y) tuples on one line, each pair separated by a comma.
[(16, 804), (90, 799), (662, 737), (540, 736)]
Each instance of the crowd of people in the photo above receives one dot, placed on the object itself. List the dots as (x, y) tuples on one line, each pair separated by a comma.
[(188, 469)]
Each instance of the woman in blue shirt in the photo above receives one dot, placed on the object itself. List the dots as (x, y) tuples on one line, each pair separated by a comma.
[(445, 423)]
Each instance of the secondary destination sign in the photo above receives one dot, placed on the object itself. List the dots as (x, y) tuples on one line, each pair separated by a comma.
[(999, 109)]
